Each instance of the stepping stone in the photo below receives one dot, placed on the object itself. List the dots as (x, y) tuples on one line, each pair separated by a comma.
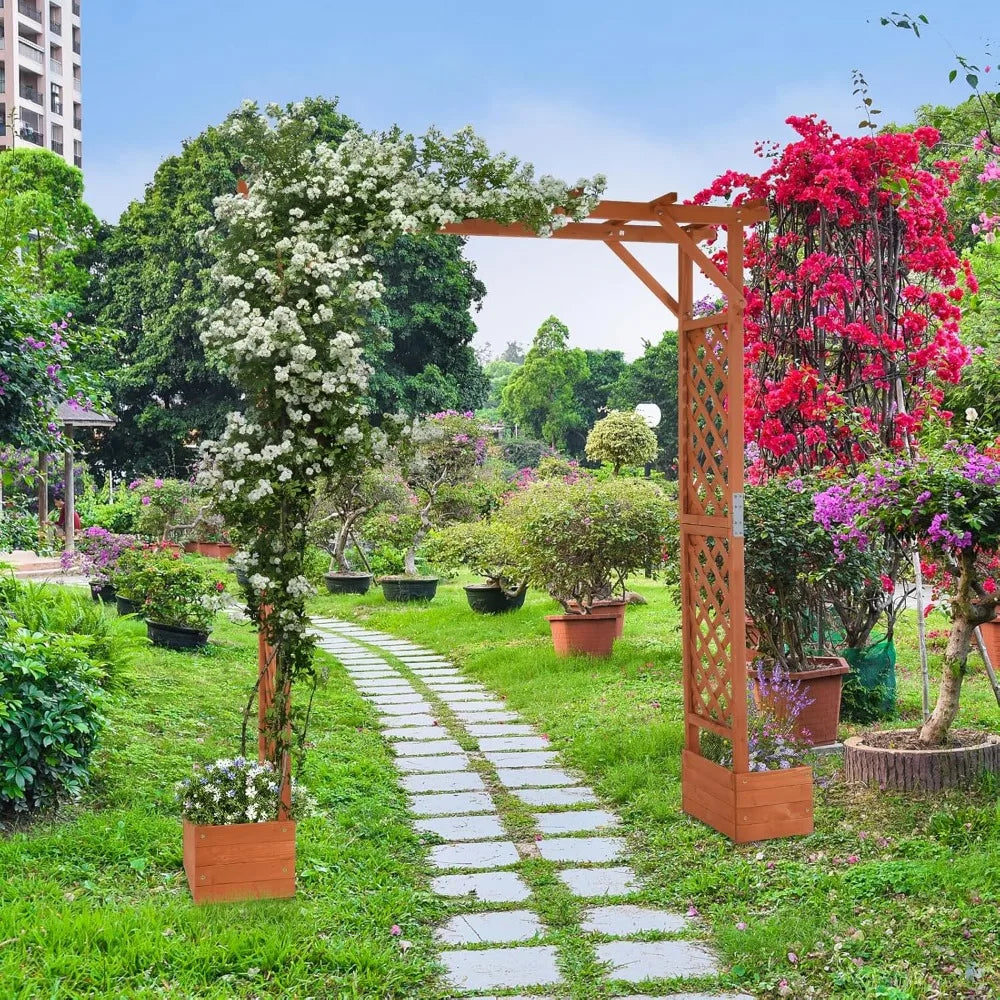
[(430, 765), (593, 882), (408, 709), (450, 781), (387, 685), (417, 733), (403, 698), (624, 920), (483, 716), (475, 707), (453, 688), (574, 822), (420, 719), (475, 854), (523, 758), (443, 672), (636, 961), (504, 927), (425, 748), (375, 675), (500, 729), (534, 777), (461, 697), (486, 887), (498, 744), (555, 796), (492, 968), (455, 828), (451, 803), (585, 850)]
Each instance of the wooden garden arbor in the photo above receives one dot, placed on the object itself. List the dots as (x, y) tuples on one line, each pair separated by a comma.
[(742, 804)]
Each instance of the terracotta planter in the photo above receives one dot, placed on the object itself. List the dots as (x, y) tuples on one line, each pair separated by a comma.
[(175, 636), (612, 609), (403, 589), (223, 550), (242, 861), (928, 770), (192, 547), (593, 635), (820, 720), (762, 805), (488, 599), (991, 640), (348, 583)]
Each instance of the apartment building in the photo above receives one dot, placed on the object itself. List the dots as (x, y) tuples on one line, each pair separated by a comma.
[(40, 78)]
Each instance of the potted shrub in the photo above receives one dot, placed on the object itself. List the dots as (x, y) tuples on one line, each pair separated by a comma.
[(491, 549), (620, 439), (581, 540), (181, 603), (949, 504), (344, 501), (234, 848), (162, 503), (442, 450), (130, 580), (97, 555)]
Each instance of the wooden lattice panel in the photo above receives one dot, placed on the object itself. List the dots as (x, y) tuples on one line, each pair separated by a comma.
[(706, 422)]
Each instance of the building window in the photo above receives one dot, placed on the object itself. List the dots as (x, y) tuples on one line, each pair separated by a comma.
[(78, 152), (57, 100)]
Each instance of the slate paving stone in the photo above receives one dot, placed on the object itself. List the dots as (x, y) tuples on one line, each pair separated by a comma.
[(476, 707), (499, 744), (374, 675), (475, 854), (425, 748), (534, 777), (523, 758), (384, 687), (449, 781), (584, 850), (403, 698), (503, 927), (636, 961), (625, 920), (486, 887), (574, 822), (399, 721), (451, 803), (499, 729), (555, 796), (417, 733), (409, 708), (463, 697), (455, 828), (589, 883), (492, 968), (485, 717), (428, 765)]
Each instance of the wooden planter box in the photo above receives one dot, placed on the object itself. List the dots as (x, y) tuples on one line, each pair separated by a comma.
[(242, 861), (763, 805)]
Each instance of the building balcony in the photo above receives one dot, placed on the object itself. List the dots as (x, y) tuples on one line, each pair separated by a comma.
[(30, 134), (76, 7), (77, 87), (29, 10), (56, 66), (78, 124), (57, 106), (76, 47), (32, 94), (57, 147), (31, 52), (55, 27)]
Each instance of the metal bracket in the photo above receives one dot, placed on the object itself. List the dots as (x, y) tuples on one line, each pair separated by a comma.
[(737, 515)]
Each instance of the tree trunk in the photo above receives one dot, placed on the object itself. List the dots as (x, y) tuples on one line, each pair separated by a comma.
[(410, 565), (934, 732), (340, 552)]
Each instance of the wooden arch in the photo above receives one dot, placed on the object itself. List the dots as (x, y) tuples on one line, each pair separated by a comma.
[(742, 804)]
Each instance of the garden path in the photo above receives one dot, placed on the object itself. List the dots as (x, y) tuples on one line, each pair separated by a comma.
[(539, 886)]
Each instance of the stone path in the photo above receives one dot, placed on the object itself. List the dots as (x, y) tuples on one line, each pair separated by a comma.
[(506, 818)]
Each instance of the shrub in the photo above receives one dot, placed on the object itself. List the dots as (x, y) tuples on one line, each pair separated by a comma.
[(18, 529), (122, 518), (621, 438), (50, 699), (582, 539), (525, 452), (491, 549), (161, 504), (98, 553), (181, 593)]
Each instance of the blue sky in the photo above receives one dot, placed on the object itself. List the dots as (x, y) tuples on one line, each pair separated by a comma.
[(657, 95)]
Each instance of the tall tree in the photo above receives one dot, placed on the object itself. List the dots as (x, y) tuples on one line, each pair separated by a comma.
[(605, 367), (542, 395), (652, 378), (513, 352)]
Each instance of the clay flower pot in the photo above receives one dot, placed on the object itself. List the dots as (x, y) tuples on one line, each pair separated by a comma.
[(991, 640), (348, 583), (241, 861), (820, 720), (489, 599), (223, 550), (593, 634), (192, 547), (608, 609)]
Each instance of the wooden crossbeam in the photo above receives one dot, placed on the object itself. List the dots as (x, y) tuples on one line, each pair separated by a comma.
[(600, 231), (644, 276)]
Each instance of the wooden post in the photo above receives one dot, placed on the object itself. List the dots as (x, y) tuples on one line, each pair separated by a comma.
[(267, 667), (69, 511), (43, 500)]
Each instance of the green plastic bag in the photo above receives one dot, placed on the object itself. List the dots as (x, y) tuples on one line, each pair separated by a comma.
[(870, 688)]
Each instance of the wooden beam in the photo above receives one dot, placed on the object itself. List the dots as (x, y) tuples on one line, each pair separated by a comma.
[(699, 257), (602, 232), (747, 214), (644, 276)]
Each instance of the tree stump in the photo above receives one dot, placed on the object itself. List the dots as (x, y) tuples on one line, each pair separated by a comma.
[(919, 770)]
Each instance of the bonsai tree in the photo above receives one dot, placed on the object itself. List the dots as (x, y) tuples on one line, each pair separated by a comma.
[(444, 450), (163, 503), (948, 504), (621, 438), (345, 500), (492, 549), (581, 540)]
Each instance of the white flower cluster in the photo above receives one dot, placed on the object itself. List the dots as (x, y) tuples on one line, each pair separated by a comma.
[(234, 791)]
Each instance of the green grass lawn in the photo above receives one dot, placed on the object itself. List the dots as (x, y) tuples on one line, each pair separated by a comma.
[(95, 903), (893, 897)]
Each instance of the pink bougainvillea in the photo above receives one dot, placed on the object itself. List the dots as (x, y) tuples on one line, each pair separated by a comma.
[(853, 298)]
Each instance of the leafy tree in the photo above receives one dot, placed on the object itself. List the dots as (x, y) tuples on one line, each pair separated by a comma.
[(621, 438), (513, 353), (46, 228), (498, 374), (158, 286), (652, 378), (605, 367), (541, 396)]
